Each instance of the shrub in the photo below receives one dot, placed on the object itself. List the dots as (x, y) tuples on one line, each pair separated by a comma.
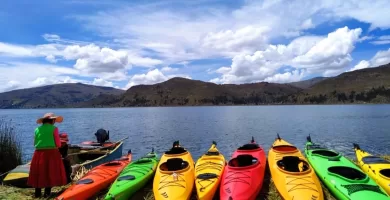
[(10, 148)]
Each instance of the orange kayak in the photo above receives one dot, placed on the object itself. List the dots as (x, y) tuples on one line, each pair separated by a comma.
[(97, 179)]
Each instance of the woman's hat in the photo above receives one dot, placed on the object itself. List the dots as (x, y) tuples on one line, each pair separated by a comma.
[(64, 137), (58, 119)]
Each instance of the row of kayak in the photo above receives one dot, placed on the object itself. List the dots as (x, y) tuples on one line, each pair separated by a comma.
[(241, 178)]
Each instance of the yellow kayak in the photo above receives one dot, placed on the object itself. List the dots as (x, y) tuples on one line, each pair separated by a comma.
[(174, 179), (375, 167), (293, 176), (208, 172)]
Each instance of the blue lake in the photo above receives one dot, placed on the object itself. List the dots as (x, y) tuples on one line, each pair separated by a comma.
[(335, 126)]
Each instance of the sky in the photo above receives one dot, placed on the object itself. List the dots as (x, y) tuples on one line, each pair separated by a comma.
[(125, 43)]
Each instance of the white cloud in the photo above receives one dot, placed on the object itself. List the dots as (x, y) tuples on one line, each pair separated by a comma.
[(151, 77), (286, 77), (102, 82), (168, 69), (15, 50), (51, 37), (51, 58), (327, 55), (361, 65), (381, 58), (307, 24), (247, 38), (384, 39)]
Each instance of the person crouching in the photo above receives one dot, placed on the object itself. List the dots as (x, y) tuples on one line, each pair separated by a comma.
[(47, 169)]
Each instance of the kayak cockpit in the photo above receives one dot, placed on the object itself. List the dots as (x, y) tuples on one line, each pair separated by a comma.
[(249, 147), (244, 160), (293, 164), (284, 149), (385, 172), (347, 172), (374, 160), (176, 150), (325, 153), (174, 164)]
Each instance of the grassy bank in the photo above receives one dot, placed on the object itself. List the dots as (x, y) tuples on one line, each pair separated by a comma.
[(10, 148), (268, 191)]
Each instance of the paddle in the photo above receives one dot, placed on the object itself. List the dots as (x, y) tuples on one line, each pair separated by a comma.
[(100, 148)]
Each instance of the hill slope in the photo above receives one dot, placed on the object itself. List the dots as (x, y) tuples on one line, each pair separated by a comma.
[(60, 95), (371, 85), (180, 91)]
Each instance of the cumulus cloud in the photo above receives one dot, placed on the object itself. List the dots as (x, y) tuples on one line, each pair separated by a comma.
[(246, 39), (328, 55), (51, 58), (102, 82), (361, 65), (380, 58), (151, 77), (307, 24)]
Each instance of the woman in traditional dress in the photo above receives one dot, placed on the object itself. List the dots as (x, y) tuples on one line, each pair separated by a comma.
[(47, 169)]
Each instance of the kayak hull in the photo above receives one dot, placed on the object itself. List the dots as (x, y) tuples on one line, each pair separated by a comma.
[(243, 180), (133, 177), (96, 180), (178, 182), (208, 173), (375, 167), (292, 175)]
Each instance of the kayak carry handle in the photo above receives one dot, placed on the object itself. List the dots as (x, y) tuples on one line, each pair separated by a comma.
[(129, 152), (214, 143), (253, 140), (356, 146), (176, 143), (308, 138), (278, 136), (152, 149)]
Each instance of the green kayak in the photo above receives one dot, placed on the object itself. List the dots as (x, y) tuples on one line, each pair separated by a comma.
[(340, 175), (133, 177)]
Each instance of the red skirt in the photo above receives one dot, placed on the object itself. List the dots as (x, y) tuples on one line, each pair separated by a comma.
[(47, 169)]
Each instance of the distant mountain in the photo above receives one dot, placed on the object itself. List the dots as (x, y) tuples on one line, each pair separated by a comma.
[(370, 85), (308, 83), (60, 95), (181, 91)]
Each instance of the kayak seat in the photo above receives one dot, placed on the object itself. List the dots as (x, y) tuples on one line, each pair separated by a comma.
[(385, 172), (293, 164), (374, 160), (126, 178), (242, 161), (347, 172), (284, 148), (84, 181), (174, 164), (176, 150), (212, 153), (249, 147), (325, 153), (206, 176)]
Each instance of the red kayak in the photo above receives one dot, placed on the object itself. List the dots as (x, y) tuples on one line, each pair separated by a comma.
[(243, 176), (96, 180)]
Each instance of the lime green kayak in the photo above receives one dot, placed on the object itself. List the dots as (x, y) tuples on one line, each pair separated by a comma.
[(341, 176), (133, 177)]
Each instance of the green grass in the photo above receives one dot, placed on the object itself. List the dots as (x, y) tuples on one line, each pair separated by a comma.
[(268, 192), (10, 148)]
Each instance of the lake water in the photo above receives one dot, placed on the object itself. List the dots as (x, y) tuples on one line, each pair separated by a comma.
[(335, 126)]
